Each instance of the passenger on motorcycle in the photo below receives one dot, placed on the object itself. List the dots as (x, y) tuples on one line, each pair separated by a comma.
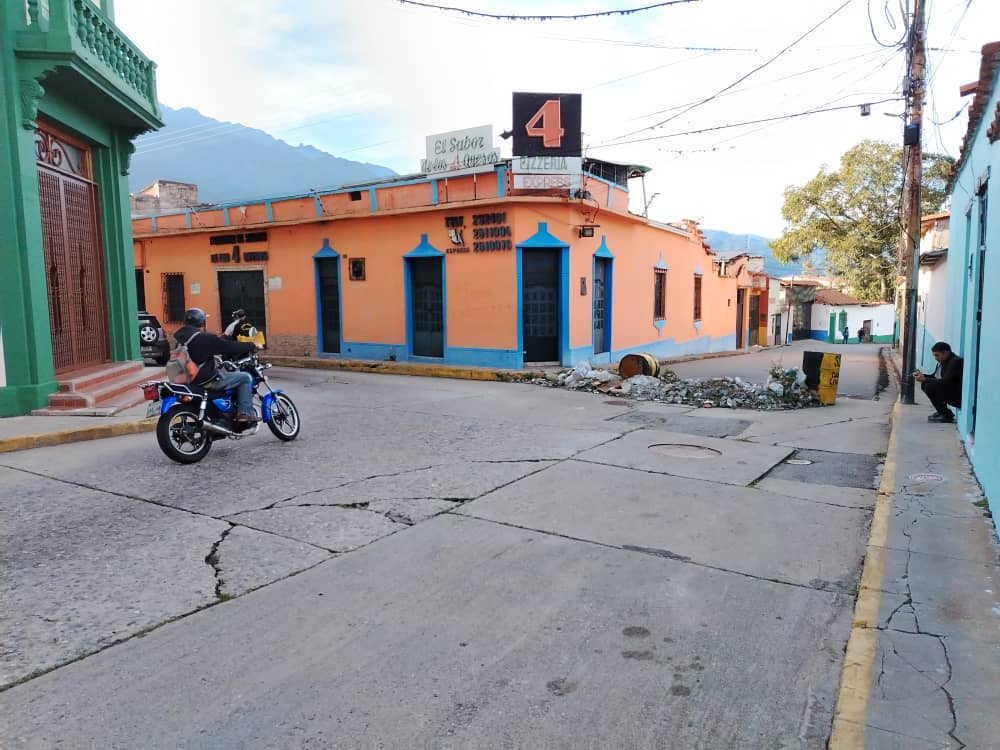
[(202, 349)]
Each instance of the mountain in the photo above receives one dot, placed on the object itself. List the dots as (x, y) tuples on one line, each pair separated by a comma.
[(721, 241), (231, 162)]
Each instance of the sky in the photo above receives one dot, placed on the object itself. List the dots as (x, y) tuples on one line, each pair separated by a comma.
[(368, 80)]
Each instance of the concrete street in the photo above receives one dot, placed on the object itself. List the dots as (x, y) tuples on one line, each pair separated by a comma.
[(855, 365), (444, 563)]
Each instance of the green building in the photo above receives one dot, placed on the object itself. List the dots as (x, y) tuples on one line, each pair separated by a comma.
[(75, 92)]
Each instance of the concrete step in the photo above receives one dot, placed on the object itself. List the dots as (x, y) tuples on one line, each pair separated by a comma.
[(104, 394), (91, 377)]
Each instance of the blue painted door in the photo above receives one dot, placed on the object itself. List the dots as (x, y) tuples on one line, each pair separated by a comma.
[(540, 305), (328, 272), (427, 307), (602, 330)]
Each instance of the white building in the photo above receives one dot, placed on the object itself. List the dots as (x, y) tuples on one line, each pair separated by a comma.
[(832, 311), (932, 287)]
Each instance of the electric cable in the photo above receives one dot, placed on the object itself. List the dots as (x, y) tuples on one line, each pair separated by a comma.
[(747, 75), (547, 16)]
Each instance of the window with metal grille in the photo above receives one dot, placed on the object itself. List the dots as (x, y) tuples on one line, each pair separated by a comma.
[(659, 294), (697, 298), (173, 297)]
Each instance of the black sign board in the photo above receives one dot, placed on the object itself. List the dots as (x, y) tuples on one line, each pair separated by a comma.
[(547, 124)]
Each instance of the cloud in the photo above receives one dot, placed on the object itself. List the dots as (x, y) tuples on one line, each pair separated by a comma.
[(369, 80)]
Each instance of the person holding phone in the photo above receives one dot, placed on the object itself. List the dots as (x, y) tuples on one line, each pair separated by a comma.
[(944, 387)]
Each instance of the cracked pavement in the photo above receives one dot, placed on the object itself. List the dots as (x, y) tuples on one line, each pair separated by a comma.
[(511, 564), (936, 682)]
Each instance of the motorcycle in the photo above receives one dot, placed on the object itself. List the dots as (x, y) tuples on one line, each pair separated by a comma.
[(192, 418)]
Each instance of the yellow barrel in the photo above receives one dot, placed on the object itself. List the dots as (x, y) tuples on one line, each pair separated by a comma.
[(638, 364), (829, 376)]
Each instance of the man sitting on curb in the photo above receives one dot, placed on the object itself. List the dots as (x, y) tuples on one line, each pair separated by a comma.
[(944, 387)]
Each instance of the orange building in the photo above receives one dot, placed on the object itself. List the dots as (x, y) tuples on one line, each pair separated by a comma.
[(463, 270), (751, 295)]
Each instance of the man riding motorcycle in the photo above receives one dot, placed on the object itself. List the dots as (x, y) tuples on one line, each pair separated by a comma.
[(202, 346)]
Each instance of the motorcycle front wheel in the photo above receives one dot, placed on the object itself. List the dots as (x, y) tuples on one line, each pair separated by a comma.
[(284, 418), (181, 436)]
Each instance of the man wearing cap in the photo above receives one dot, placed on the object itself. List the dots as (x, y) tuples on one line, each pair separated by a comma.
[(202, 346)]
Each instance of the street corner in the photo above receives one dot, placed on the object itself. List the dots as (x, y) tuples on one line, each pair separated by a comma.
[(31, 432)]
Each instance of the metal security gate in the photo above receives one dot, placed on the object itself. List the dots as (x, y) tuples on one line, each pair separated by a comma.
[(754, 319), (242, 290), (427, 311), (328, 277), (540, 305), (601, 327), (74, 258)]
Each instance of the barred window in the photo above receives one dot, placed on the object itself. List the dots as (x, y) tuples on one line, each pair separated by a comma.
[(659, 294), (173, 297), (697, 298)]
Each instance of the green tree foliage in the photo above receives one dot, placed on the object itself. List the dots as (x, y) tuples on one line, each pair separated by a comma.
[(853, 214)]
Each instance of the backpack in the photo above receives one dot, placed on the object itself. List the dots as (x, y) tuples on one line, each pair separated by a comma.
[(181, 369)]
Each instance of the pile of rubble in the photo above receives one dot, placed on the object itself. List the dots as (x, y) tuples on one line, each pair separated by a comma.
[(784, 389)]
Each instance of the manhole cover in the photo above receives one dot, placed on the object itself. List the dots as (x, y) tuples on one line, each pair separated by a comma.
[(680, 450), (798, 462), (926, 477)]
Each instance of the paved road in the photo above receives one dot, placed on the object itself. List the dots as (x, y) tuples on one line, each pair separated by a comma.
[(441, 564), (855, 367)]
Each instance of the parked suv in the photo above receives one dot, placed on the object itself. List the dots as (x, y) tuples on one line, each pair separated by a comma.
[(153, 341)]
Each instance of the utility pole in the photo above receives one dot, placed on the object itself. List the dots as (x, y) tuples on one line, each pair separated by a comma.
[(912, 178)]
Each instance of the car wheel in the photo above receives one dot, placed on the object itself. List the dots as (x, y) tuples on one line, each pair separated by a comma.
[(148, 334)]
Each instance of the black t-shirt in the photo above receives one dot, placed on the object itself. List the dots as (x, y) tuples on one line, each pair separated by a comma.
[(203, 346)]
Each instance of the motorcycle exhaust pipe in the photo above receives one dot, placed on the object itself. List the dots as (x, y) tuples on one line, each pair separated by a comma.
[(218, 430)]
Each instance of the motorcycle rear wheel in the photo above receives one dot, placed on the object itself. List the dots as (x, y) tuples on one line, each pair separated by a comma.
[(181, 437), (284, 418)]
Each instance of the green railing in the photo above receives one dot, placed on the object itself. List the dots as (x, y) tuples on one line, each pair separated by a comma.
[(95, 39)]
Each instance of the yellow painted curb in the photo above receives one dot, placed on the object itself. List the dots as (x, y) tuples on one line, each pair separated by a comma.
[(850, 715), (407, 368), (75, 435)]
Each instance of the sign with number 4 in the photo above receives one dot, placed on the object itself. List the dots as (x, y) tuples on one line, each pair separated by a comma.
[(547, 124)]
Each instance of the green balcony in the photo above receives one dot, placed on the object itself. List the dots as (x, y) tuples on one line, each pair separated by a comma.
[(61, 42)]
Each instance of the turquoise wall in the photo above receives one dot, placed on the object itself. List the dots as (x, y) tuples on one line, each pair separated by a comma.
[(981, 163)]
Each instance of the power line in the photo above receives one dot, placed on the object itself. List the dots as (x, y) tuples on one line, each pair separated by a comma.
[(744, 77), (892, 25), (741, 124), (545, 17)]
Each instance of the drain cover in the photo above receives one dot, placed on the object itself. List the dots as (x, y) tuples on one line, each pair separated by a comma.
[(926, 477), (798, 462), (680, 450), (618, 402)]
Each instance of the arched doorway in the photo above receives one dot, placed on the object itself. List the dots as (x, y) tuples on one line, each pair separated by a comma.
[(74, 256)]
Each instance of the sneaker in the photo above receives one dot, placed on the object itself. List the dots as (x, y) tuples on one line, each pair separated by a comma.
[(941, 418)]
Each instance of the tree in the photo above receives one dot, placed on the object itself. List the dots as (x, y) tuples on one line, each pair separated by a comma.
[(853, 214)]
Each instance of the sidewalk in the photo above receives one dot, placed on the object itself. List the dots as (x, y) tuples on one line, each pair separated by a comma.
[(922, 668)]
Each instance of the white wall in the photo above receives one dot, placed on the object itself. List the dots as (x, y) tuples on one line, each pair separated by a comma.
[(932, 306), (883, 318)]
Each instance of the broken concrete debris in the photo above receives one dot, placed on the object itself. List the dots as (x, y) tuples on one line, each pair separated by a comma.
[(784, 388)]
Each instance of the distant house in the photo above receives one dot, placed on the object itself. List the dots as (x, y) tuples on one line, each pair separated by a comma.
[(751, 295), (162, 196), (972, 320), (832, 311), (932, 287)]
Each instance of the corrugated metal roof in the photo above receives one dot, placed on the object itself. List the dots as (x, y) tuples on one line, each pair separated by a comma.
[(834, 297)]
